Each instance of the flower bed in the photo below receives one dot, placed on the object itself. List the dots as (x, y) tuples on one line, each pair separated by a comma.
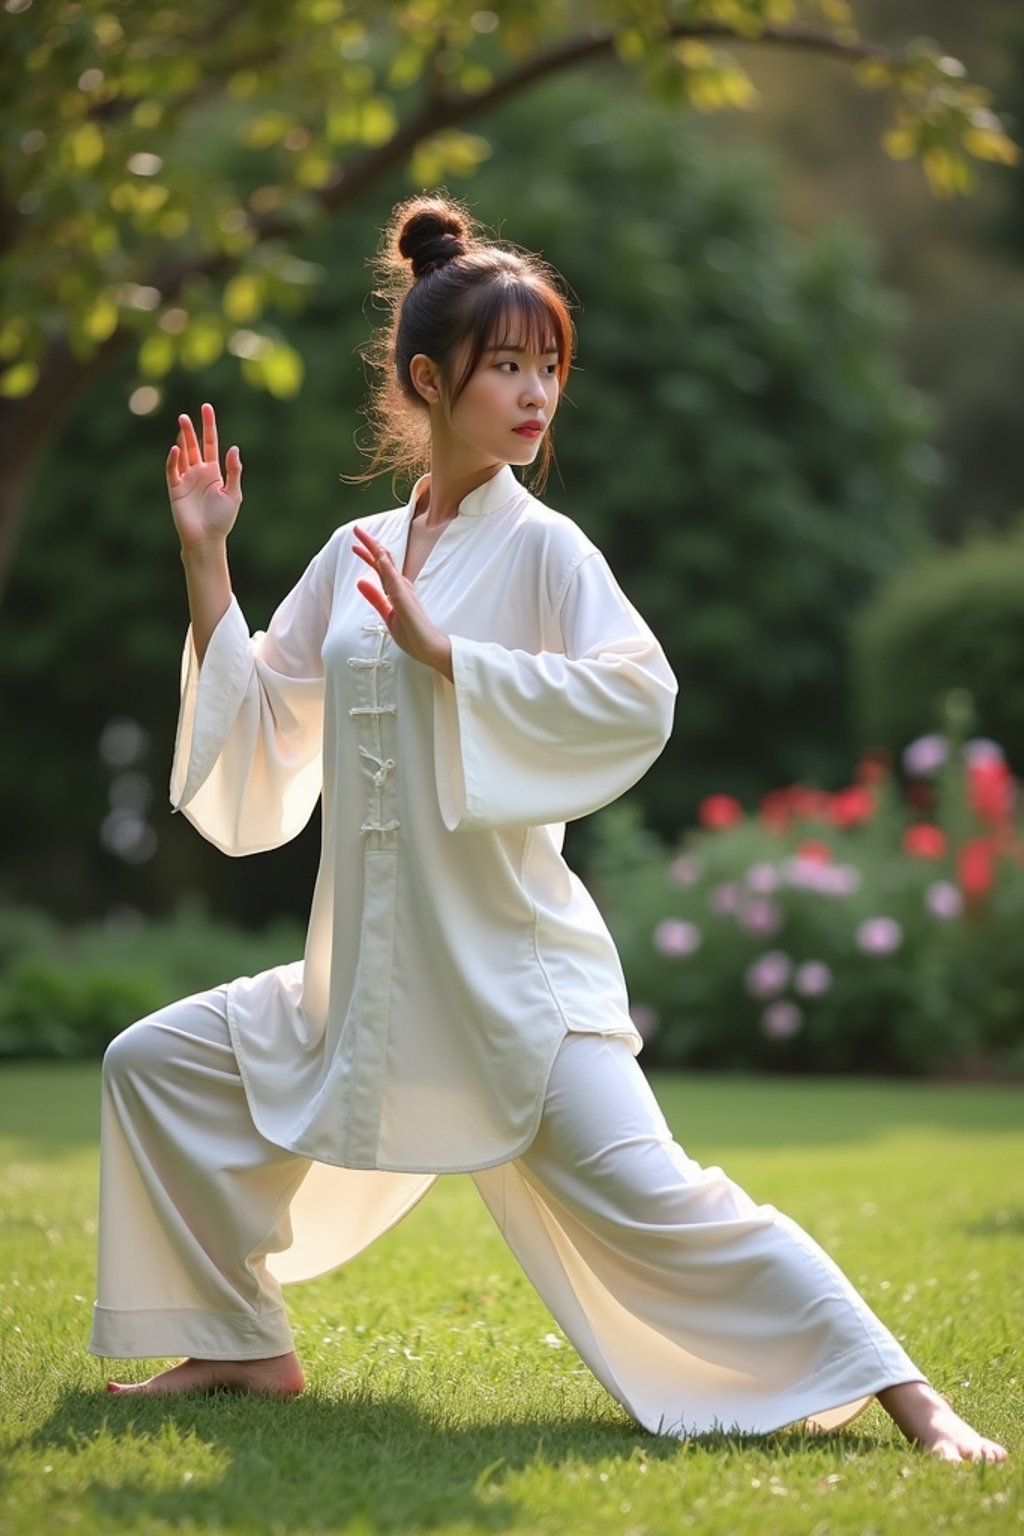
[(876, 929)]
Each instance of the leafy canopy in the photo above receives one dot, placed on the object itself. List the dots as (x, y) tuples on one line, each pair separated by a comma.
[(161, 157)]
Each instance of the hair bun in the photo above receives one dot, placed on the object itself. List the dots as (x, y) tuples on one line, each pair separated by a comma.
[(433, 234)]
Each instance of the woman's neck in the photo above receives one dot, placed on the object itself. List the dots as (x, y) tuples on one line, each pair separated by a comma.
[(450, 483)]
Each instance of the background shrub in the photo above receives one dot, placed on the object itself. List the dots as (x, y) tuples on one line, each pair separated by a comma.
[(69, 992), (812, 938), (952, 620)]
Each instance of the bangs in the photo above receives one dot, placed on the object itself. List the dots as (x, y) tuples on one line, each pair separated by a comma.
[(527, 316), (525, 323)]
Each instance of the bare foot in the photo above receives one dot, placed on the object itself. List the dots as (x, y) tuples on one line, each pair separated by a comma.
[(927, 1420), (280, 1377)]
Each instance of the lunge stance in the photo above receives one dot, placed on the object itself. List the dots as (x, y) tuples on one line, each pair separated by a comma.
[(456, 678)]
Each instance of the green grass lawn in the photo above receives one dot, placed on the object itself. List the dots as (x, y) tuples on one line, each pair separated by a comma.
[(442, 1397)]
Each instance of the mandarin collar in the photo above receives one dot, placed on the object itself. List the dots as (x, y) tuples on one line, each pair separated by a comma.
[(481, 502)]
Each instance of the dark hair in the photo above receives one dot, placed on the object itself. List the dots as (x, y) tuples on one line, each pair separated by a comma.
[(463, 296)]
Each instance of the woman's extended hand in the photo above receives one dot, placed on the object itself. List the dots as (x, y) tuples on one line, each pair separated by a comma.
[(204, 503), (403, 613)]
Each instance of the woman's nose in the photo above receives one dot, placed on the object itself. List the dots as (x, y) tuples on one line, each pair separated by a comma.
[(533, 389)]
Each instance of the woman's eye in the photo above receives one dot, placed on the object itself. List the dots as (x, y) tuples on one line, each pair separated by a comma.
[(509, 364)]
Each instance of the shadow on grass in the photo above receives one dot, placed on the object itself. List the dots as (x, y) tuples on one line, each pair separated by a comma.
[(370, 1464)]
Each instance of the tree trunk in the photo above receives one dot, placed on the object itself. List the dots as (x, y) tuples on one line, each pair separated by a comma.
[(29, 425)]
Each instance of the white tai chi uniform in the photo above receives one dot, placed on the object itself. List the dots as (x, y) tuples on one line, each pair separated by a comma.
[(460, 1006)]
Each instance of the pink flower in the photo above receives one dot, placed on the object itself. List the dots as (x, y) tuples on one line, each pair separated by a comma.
[(925, 756), (684, 871), (761, 917), (879, 936), (762, 879), (814, 875), (812, 979), (768, 974), (944, 900), (725, 898), (646, 1019), (781, 1019), (674, 936), (981, 750)]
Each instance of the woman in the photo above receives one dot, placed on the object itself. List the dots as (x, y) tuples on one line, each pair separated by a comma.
[(458, 677)]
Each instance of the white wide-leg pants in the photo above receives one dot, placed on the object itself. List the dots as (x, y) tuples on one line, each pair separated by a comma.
[(696, 1308)]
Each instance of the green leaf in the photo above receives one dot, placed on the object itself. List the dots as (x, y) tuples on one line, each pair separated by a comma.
[(156, 355), (283, 371), (202, 343), (100, 321), (243, 297), (19, 380)]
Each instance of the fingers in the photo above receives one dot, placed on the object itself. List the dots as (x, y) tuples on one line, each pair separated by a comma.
[(188, 442), (233, 476), (210, 451), (379, 599), (173, 470), (368, 544), (376, 556)]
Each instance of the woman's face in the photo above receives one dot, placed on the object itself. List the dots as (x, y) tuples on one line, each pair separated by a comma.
[(507, 405)]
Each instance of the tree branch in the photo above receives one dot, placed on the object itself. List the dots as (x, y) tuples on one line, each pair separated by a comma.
[(442, 111)]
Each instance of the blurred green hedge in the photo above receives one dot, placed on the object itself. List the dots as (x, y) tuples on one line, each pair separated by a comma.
[(68, 992), (954, 619)]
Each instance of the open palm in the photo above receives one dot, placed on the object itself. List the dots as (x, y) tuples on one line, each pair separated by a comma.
[(204, 502)]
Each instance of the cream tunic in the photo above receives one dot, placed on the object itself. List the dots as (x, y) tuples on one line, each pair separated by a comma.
[(449, 947), (454, 969)]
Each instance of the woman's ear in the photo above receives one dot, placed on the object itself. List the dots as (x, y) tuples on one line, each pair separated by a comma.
[(426, 378)]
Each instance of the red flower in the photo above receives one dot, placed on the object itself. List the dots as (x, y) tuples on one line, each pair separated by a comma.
[(812, 804), (851, 806), (719, 811), (924, 841), (975, 863), (990, 790), (775, 810), (874, 766), (815, 851)]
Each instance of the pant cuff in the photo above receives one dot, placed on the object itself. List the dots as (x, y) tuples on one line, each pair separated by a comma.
[(158, 1333)]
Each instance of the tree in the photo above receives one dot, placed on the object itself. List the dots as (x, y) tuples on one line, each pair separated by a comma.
[(735, 438), (160, 159)]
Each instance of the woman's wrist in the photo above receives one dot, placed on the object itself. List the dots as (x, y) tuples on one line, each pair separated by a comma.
[(441, 660), (205, 553)]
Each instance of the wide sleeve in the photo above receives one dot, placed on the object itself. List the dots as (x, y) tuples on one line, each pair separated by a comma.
[(247, 758), (523, 739)]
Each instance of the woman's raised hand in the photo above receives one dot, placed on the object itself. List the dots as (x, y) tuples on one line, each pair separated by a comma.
[(204, 503), (403, 613)]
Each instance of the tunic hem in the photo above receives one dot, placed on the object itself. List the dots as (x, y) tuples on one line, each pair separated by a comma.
[(381, 1165), (162, 1332)]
